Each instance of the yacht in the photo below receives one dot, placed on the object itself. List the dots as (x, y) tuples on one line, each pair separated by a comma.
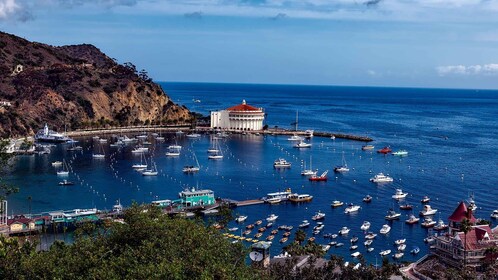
[(428, 223), (139, 150), (217, 154), (365, 226), (401, 247), (173, 153), (472, 204), (47, 135), (428, 211), (344, 231), (56, 163), (271, 218), (392, 215), (494, 215), (385, 229), (174, 147), (64, 171), (355, 255), (273, 200), (140, 165), (152, 171), (281, 163), (354, 239), (309, 133), (318, 216), (400, 153), (190, 169), (278, 195), (399, 194), (304, 224), (412, 220), (240, 219), (337, 203), (300, 197), (351, 209), (381, 178), (302, 144)]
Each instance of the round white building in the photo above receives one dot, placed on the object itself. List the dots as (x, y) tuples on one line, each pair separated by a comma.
[(238, 117)]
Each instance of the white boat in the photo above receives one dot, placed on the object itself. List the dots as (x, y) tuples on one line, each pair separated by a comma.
[(319, 226), (392, 215), (139, 150), (428, 211), (310, 171), (302, 144), (174, 147), (272, 218), (370, 236), (281, 195), (173, 153), (240, 219), (151, 171), (494, 215), (365, 226), (344, 231), (325, 248), (428, 223), (400, 241), (337, 203), (192, 168), (415, 250), (472, 204), (47, 135), (273, 200), (440, 225), (193, 135), (385, 252), (351, 208), (102, 140), (342, 168), (370, 249), (398, 255), (400, 153), (367, 147), (281, 163), (232, 229), (217, 154), (412, 219), (304, 224), (309, 133), (296, 198), (318, 216), (368, 242), (56, 163), (399, 194), (64, 171), (355, 255), (142, 164), (385, 229), (100, 154), (401, 247), (381, 178), (295, 137)]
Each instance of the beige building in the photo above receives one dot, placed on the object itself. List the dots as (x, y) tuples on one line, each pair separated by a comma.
[(239, 117)]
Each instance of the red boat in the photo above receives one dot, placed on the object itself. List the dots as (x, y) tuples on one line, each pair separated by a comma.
[(385, 150), (322, 177)]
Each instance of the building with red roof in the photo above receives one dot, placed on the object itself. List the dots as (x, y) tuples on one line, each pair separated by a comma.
[(238, 117)]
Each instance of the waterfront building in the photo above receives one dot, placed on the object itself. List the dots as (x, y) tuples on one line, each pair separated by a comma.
[(20, 224), (193, 197), (239, 117), (471, 249)]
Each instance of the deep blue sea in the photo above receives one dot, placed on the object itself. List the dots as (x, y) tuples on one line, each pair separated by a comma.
[(451, 136)]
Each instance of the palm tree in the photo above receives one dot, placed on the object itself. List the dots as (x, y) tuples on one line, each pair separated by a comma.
[(465, 227), (300, 236)]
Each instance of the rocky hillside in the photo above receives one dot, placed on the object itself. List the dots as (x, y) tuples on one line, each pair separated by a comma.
[(77, 87)]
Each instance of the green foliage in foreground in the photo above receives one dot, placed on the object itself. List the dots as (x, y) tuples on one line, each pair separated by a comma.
[(148, 245)]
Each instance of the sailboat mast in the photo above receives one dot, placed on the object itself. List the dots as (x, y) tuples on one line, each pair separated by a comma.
[(297, 113)]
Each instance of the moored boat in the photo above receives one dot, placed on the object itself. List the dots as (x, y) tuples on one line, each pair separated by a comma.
[(351, 208), (300, 197), (322, 177), (367, 199), (318, 216), (385, 150), (381, 178), (337, 203), (428, 223), (281, 163), (367, 147), (271, 218), (494, 215), (392, 215), (365, 226), (304, 224), (385, 229), (440, 225), (302, 145), (425, 199), (240, 219), (400, 153), (406, 206), (385, 252), (344, 231), (399, 194), (428, 211), (412, 219)]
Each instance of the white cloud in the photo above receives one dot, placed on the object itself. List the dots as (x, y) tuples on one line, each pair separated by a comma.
[(485, 69), (8, 8)]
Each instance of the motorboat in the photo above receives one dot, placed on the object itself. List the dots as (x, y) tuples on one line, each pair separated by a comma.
[(295, 137), (351, 209), (472, 204), (325, 248), (283, 240), (240, 219), (365, 226), (385, 150), (174, 147), (272, 218), (406, 206), (425, 199), (337, 203), (332, 243), (415, 250), (318, 216), (340, 244), (296, 198), (430, 239), (385, 252), (304, 224), (428, 211), (385, 229), (370, 249), (270, 237), (281, 163), (401, 247), (232, 229), (344, 231), (440, 225), (381, 178), (190, 169), (57, 163), (66, 183), (428, 223), (323, 177), (367, 199), (494, 215), (273, 200), (278, 196), (355, 254), (370, 235), (309, 133), (400, 153), (250, 226), (400, 241), (398, 255), (368, 242), (392, 215), (319, 226), (367, 147), (140, 150), (193, 135), (399, 194), (269, 225), (412, 219), (302, 145)]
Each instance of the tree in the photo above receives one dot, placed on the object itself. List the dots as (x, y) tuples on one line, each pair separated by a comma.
[(5, 189), (300, 236), (465, 227)]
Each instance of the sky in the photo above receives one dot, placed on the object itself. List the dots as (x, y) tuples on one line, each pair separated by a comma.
[(397, 43)]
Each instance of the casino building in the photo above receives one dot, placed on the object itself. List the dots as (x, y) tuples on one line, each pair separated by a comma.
[(238, 117)]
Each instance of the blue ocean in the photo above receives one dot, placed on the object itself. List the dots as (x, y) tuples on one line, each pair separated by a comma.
[(450, 135)]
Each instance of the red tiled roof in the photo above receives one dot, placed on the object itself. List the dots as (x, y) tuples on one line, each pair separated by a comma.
[(243, 107), (474, 236), (21, 220), (461, 213)]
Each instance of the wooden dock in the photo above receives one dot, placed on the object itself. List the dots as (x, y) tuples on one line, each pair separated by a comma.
[(249, 202)]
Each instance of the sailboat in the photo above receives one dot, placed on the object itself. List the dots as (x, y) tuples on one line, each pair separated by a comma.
[(64, 171), (217, 154), (152, 171), (100, 154), (141, 165), (74, 147), (343, 167), (191, 168), (308, 172)]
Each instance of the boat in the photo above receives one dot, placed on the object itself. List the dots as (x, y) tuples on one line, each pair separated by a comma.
[(74, 147), (240, 219), (273, 200), (47, 135), (304, 224), (385, 150), (370, 249), (295, 137), (392, 215), (175, 147), (100, 154), (354, 239), (308, 133), (425, 199), (64, 171), (332, 137), (400, 153), (365, 226), (355, 254), (385, 229), (217, 155), (332, 243), (57, 163), (66, 183), (367, 199), (262, 229), (344, 231), (102, 140), (285, 227), (406, 206), (283, 240), (494, 215), (118, 207), (325, 248), (381, 178), (472, 204), (140, 150), (367, 147), (351, 208), (339, 244), (278, 195), (311, 239), (152, 171), (193, 135), (286, 234), (398, 255), (272, 218), (318, 216), (296, 198), (428, 223), (399, 194), (258, 235), (400, 241), (141, 165), (343, 167), (428, 211), (192, 168), (415, 250), (430, 239), (385, 252), (337, 203), (412, 220), (368, 242), (308, 172), (281, 163), (232, 229), (440, 225), (370, 235), (322, 177), (302, 145), (270, 237), (319, 226)]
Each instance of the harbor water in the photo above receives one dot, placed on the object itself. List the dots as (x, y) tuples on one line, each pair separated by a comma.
[(450, 136)]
